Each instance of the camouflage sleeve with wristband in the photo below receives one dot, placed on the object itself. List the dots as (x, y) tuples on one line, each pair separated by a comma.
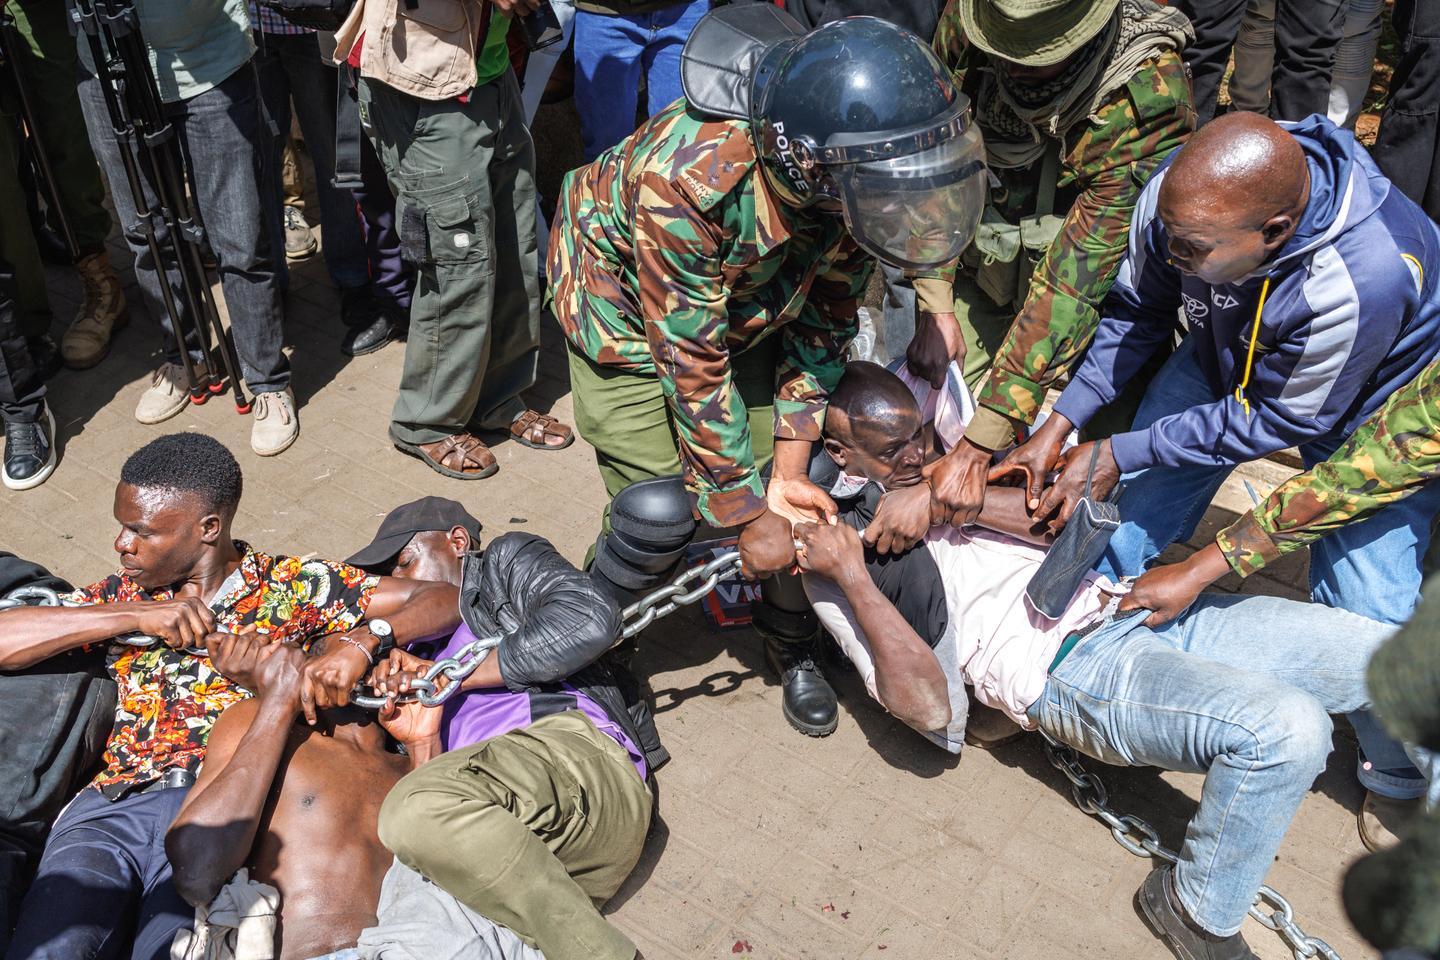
[(1389, 457)]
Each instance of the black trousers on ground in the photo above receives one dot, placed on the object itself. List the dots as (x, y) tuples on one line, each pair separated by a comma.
[(53, 726), (1408, 148), (22, 392), (1306, 32)]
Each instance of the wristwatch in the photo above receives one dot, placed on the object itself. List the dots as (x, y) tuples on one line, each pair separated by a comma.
[(382, 631)]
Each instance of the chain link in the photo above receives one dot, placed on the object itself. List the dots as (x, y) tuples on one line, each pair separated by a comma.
[(1141, 839), (688, 588), (38, 596)]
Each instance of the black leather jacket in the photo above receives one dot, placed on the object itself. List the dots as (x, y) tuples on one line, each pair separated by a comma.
[(557, 626)]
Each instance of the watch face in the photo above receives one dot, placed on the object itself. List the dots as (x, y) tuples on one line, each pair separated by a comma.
[(381, 629)]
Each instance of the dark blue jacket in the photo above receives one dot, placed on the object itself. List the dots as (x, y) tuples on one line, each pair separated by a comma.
[(1352, 314)]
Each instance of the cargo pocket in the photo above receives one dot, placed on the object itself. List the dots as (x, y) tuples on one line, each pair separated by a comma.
[(442, 230)]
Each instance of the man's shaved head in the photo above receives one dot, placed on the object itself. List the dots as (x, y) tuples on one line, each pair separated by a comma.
[(1233, 196), (873, 427)]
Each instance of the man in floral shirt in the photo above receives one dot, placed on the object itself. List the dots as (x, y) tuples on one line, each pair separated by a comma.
[(103, 880)]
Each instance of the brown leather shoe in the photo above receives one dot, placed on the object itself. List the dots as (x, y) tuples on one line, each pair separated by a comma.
[(460, 456), (1382, 818)]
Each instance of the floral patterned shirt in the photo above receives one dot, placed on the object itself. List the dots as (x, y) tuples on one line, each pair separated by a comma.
[(169, 699)]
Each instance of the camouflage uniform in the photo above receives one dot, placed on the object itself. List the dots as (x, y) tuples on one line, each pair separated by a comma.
[(1389, 457), (1106, 163), (671, 256)]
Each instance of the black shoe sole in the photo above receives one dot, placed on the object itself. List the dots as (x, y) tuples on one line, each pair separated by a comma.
[(810, 730)]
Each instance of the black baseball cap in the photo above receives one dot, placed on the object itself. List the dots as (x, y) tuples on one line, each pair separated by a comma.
[(406, 520)]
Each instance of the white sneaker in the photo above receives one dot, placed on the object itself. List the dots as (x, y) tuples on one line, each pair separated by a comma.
[(276, 423), (165, 396)]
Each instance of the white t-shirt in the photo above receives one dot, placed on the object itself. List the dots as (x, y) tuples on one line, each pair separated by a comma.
[(995, 640)]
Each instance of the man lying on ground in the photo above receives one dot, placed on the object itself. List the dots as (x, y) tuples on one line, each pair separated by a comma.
[(103, 880), (539, 809), (1238, 688), (298, 807)]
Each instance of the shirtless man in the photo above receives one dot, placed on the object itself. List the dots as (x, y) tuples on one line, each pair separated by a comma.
[(296, 804), (299, 806)]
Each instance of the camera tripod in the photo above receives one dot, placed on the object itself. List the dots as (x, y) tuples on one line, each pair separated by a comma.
[(151, 152)]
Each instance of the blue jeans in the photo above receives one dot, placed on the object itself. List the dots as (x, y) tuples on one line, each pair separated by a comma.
[(1238, 688), (1163, 505), (610, 52), (103, 890)]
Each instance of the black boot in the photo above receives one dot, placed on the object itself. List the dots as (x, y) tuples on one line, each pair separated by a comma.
[(809, 701), (1166, 917)]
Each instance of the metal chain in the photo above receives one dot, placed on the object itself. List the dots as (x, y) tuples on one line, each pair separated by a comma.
[(1140, 838), (682, 591), (38, 596)]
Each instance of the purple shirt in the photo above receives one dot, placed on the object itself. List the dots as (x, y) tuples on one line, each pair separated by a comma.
[(478, 715)]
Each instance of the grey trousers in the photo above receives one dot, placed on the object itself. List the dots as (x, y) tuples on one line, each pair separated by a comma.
[(463, 174)]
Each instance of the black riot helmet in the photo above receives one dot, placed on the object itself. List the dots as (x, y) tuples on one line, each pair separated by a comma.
[(858, 111)]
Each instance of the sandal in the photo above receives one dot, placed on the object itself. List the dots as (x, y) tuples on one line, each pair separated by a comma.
[(452, 456), (531, 429)]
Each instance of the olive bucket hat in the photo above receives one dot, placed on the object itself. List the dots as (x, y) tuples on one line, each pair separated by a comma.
[(1036, 33)]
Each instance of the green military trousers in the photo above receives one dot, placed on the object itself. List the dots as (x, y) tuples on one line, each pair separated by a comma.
[(534, 829), (463, 175), (624, 416), (47, 58)]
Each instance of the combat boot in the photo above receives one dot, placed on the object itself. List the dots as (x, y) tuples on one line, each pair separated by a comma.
[(792, 648), (101, 313)]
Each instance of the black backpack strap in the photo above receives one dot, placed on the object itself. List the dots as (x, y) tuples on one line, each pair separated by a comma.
[(347, 132)]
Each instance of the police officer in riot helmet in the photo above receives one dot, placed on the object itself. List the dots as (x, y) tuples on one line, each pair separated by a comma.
[(707, 270)]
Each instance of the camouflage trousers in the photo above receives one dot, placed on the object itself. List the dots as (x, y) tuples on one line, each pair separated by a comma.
[(624, 416)]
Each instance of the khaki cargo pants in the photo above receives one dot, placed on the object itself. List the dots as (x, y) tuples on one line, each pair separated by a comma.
[(534, 830)]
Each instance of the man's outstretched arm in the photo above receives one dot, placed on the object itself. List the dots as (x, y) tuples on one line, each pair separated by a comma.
[(908, 680), (215, 831), (31, 634)]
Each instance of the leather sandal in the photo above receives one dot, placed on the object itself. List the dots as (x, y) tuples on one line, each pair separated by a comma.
[(531, 429), (460, 456)]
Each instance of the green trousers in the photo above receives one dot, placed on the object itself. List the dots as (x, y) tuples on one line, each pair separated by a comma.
[(47, 58), (534, 829), (463, 175), (624, 416)]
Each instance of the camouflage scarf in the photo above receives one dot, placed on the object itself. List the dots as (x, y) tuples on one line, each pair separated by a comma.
[(1016, 118)]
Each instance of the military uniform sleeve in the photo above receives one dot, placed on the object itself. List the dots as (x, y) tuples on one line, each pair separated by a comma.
[(812, 347), (1112, 162), (1389, 457), (678, 255)]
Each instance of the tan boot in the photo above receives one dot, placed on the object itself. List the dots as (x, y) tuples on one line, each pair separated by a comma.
[(101, 313)]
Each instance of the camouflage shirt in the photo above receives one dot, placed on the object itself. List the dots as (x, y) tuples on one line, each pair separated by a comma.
[(671, 252), (1107, 162), (1391, 455)]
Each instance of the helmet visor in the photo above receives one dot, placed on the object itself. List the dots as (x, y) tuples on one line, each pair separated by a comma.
[(921, 210)]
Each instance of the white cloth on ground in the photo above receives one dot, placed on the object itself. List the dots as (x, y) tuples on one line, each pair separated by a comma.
[(239, 924)]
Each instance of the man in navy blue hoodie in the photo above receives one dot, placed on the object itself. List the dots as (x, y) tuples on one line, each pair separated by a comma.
[(1309, 287)]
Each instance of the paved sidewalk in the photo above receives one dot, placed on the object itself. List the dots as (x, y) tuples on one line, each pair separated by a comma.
[(870, 843)]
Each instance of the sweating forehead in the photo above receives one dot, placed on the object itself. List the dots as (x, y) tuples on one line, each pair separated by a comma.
[(151, 504)]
